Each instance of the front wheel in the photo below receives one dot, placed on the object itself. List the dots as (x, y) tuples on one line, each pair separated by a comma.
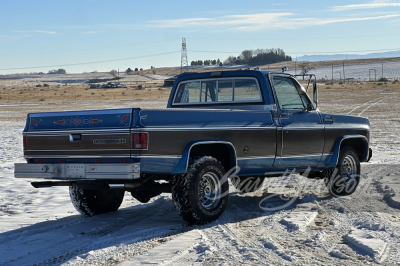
[(200, 195), (94, 202), (344, 178)]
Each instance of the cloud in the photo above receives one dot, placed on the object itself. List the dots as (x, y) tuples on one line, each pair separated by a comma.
[(256, 22), (364, 6), (38, 31), (46, 32)]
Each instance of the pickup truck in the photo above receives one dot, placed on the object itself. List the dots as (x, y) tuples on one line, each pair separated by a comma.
[(246, 125)]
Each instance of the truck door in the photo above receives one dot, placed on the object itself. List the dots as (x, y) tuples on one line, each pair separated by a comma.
[(300, 127)]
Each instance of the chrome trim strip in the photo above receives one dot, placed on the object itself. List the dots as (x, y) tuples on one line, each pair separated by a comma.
[(302, 155), (203, 128), (303, 128), (80, 150), (353, 137), (256, 157), (76, 156), (363, 128), (210, 142), (55, 132), (157, 156)]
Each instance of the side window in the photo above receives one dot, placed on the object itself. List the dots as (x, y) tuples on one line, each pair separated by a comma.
[(225, 90), (188, 92), (208, 91), (287, 93), (246, 90)]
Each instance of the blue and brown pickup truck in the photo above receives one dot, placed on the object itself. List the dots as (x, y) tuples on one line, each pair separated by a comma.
[(248, 124)]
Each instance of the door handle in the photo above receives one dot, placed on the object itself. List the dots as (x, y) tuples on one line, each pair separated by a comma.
[(329, 119)]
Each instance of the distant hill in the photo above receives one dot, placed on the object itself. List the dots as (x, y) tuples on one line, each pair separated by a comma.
[(313, 58)]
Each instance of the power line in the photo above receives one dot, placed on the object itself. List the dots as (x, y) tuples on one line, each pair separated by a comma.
[(89, 49), (306, 38), (94, 62), (359, 51)]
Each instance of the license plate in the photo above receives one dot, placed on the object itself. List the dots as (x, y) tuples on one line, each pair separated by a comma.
[(75, 170)]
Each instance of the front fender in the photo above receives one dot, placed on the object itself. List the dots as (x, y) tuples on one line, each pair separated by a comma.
[(335, 157), (183, 163)]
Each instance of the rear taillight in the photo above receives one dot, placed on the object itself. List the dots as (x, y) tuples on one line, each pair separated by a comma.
[(139, 141), (25, 142)]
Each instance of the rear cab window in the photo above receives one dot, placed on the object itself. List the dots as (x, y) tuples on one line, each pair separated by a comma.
[(218, 90)]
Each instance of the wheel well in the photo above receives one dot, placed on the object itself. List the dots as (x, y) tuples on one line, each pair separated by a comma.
[(356, 143), (224, 153)]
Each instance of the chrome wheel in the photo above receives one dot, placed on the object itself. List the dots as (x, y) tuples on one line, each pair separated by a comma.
[(349, 169), (209, 190)]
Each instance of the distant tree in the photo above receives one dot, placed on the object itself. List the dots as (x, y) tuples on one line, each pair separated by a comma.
[(128, 71), (218, 61), (214, 62), (136, 69), (141, 69), (220, 64), (59, 71), (230, 60), (305, 68), (114, 73), (206, 62), (246, 56)]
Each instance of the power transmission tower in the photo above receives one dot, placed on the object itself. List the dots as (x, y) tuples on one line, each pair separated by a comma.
[(184, 60)]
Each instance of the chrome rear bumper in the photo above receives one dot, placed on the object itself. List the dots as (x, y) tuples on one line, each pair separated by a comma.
[(77, 171)]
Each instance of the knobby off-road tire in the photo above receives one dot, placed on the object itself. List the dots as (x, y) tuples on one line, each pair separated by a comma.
[(247, 184), (94, 202), (200, 195), (344, 178)]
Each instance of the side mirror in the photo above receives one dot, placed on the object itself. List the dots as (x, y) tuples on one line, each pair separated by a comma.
[(315, 93)]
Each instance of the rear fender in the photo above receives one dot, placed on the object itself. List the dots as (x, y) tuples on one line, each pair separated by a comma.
[(335, 157), (183, 163)]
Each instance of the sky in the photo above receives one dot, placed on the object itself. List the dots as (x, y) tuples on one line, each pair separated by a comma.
[(97, 35)]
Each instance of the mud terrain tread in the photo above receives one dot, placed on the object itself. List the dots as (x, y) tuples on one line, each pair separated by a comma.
[(85, 201), (182, 184)]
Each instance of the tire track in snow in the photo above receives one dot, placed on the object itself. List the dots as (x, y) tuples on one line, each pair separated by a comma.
[(361, 105), (69, 241), (372, 105)]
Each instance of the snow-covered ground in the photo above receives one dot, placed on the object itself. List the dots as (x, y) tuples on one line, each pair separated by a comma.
[(300, 224), (365, 71)]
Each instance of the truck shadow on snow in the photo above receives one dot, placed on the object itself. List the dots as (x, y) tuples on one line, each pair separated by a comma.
[(130, 229)]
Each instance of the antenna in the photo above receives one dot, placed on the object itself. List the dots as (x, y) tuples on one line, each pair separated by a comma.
[(184, 60)]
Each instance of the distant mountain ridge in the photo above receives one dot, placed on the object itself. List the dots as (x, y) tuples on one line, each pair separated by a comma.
[(313, 58)]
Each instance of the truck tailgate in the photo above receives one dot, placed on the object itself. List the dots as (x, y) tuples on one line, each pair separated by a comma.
[(80, 134)]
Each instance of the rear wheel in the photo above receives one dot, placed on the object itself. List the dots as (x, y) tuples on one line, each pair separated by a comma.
[(344, 178), (94, 202), (200, 195)]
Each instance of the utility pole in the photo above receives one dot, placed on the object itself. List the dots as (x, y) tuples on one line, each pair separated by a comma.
[(295, 66), (184, 60), (344, 75), (382, 70)]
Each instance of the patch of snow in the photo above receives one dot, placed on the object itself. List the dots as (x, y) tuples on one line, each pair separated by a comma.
[(366, 243)]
